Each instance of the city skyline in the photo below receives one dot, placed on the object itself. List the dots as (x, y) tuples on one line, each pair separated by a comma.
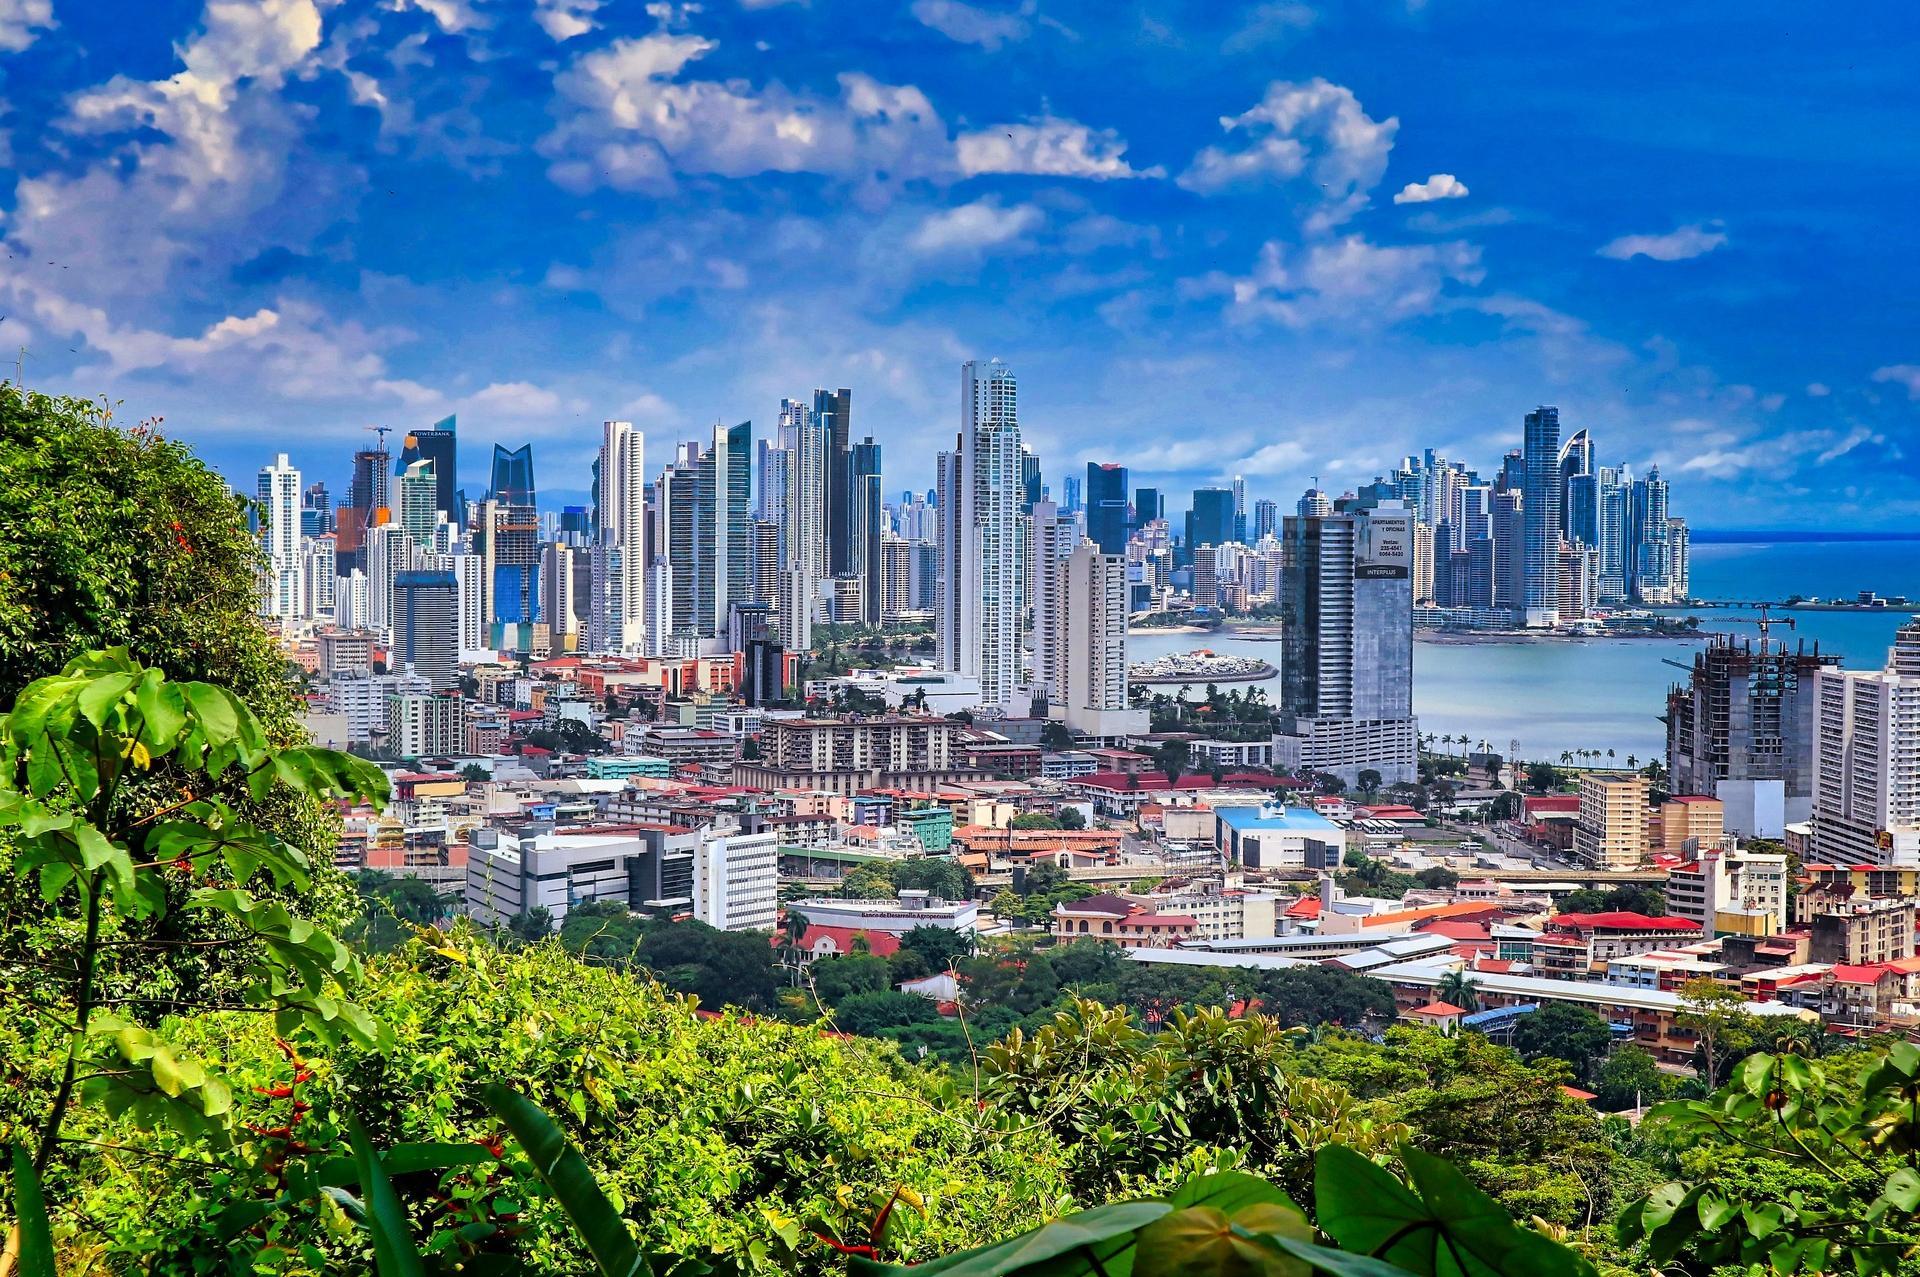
[(1286, 257)]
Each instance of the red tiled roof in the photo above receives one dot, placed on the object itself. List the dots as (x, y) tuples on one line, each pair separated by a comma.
[(1455, 929), (1623, 920), (1868, 973), (1438, 1008), (1576, 1093), (880, 943), (1306, 908), (1390, 813), (1161, 920)]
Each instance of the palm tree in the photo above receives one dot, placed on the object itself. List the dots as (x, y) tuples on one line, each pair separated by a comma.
[(1633, 761), (1458, 988), (1566, 756), (1609, 755)]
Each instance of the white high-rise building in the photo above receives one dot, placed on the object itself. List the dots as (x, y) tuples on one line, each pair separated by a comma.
[(1054, 537), (469, 571), (620, 585), (279, 497), (805, 541), (319, 568), (389, 552), (736, 881), (1093, 662), (350, 602), (558, 563), (1866, 796), (977, 629)]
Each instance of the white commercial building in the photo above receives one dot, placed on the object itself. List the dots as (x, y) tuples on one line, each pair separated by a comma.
[(736, 881), (618, 621), (1728, 890), (898, 916), (279, 496), (423, 725), (1093, 669), (362, 700), (1866, 797)]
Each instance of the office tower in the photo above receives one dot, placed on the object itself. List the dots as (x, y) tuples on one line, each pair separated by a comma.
[(576, 525), (1513, 472), (1239, 508), (1614, 532), (1092, 669), (319, 574), (736, 880), (977, 626), (1540, 517), (350, 602), (418, 513), (469, 575), (1346, 694), (833, 417), (1107, 506), (750, 632), (864, 526), (1313, 504), (1866, 804), (316, 511), (278, 494), (1423, 573), (706, 536), (1071, 490), (437, 446), (1483, 568), (923, 584), (1577, 580), (1032, 487), (1148, 505), (1054, 537), (618, 619), (1743, 731), (389, 552), (808, 499), (1210, 521), (426, 625), (558, 565), (1266, 519), (509, 540), (896, 574), (1471, 513), (1679, 561), (1650, 562), (1576, 462), (1611, 830), (1206, 577), (1508, 530)]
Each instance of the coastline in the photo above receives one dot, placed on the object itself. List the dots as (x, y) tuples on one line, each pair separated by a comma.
[(1488, 638)]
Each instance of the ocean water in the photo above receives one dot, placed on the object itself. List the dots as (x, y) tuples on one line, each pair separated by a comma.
[(1539, 698)]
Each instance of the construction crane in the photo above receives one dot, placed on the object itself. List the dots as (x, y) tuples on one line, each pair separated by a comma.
[(383, 432), (1764, 622)]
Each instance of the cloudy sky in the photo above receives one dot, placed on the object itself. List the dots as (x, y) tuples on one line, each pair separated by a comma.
[(1279, 239)]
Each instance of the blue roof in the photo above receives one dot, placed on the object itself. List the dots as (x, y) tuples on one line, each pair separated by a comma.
[(1241, 819)]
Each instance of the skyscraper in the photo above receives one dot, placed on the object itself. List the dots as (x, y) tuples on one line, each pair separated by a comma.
[(707, 533), (808, 501), (1649, 562), (1346, 693), (1148, 505), (1576, 462), (1107, 506), (865, 525), (1866, 802), (426, 626), (1266, 519), (1508, 531), (1239, 508), (1540, 516), (438, 446), (833, 417), (977, 628), (418, 513), (1210, 521), (1313, 504), (618, 622), (367, 491), (1054, 537), (513, 475), (1092, 669), (279, 497)]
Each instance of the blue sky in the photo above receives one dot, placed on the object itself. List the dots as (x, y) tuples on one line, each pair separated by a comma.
[(1283, 239)]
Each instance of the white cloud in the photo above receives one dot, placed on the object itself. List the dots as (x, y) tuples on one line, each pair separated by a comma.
[(973, 227), (971, 24), (454, 16), (1049, 146), (1348, 280), (1907, 375), (21, 21), (1674, 246), (562, 20), (1441, 186), (519, 399), (1818, 389), (1316, 129), (630, 122)]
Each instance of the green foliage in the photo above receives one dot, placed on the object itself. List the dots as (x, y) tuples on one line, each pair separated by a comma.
[(721, 968), (1034, 820), (870, 1014), (1634, 899), (717, 1139), (391, 908), (1631, 1076), (945, 878), (837, 979), (1564, 1032), (91, 841), (1795, 1166)]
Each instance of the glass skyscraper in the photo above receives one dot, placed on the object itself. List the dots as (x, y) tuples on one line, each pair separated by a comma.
[(1107, 507)]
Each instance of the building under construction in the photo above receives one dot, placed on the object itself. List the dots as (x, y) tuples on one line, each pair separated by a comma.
[(1742, 730)]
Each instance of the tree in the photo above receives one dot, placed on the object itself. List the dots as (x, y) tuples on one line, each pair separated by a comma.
[(1564, 1032), (837, 979), (532, 924), (1070, 818), (1004, 903), (1458, 988), (1369, 780), (1631, 1077), (393, 907), (1439, 878), (721, 968), (109, 857), (1173, 760), (1045, 877), (867, 1014), (474, 773), (941, 946), (1508, 806), (1055, 738), (1034, 820), (1543, 778), (1719, 1016)]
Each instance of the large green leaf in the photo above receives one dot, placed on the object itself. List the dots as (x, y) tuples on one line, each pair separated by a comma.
[(1203, 1242), (394, 1254), (568, 1177), (30, 1207), (1442, 1227), (1228, 1191), (1090, 1242)]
